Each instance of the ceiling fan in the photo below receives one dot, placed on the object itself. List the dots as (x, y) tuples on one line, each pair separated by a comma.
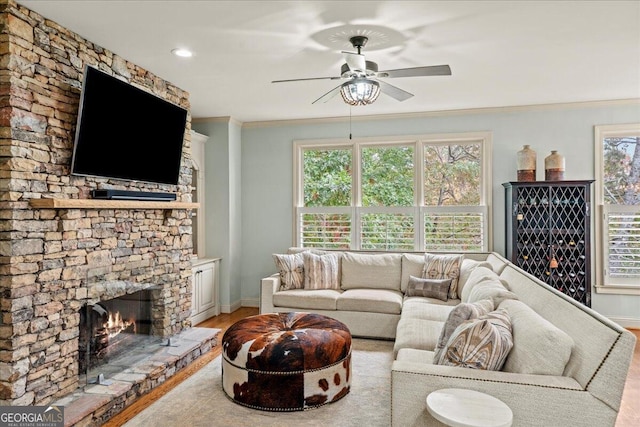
[(363, 85)]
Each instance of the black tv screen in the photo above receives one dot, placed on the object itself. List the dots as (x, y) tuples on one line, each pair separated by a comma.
[(126, 133)]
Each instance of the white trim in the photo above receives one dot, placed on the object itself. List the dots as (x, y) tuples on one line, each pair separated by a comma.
[(626, 322), (226, 308), (618, 289), (602, 284), (250, 302), (198, 142), (484, 138), (440, 113), (222, 119)]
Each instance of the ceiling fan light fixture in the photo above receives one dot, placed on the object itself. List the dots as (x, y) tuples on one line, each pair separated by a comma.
[(360, 91)]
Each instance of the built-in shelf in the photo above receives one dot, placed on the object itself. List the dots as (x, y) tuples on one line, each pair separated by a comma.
[(107, 204)]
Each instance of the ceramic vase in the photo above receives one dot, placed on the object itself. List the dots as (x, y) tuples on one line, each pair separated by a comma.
[(554, 165), (526, 161)]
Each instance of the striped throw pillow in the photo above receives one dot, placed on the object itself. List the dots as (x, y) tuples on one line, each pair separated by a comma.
[(483, 343), (291, 270), (443, 267), (321, 271)]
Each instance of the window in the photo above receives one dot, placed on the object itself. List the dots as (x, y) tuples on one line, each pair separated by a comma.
[(397, 193), (618, 204)]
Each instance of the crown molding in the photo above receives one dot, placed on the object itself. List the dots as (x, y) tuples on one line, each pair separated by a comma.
[(223, 119), (424, 114)]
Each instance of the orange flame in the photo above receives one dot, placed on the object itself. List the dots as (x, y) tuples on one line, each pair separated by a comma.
[(116, 324)]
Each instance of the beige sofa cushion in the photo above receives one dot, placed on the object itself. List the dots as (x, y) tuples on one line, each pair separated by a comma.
[(371, 271), (412, 265), (497, 264), (321, 299), (420, 334), (421, 308), (371, 300), (468, 265), (415, 356), (491, 289), (539, 346), (477, 275), (483, 343)]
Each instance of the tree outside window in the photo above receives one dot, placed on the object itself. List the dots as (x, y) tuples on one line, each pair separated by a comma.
[(618, 169), (393, 195)]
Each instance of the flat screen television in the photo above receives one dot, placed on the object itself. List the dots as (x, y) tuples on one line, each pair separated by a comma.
[(126, 133)]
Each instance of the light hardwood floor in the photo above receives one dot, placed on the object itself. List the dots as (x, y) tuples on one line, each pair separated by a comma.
[(629, 413)]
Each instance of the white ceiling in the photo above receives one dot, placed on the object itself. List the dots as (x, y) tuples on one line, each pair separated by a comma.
[(502, 53)]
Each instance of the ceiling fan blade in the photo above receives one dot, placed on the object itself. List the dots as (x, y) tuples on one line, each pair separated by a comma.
[(327, 96), (310, 78), (394, 92), (355, 61), (433, 70)]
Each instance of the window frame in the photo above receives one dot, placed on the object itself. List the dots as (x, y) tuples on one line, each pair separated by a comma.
[(418, 210), (605, 283)]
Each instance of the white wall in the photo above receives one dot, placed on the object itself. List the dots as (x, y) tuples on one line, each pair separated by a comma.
[(267, 171)]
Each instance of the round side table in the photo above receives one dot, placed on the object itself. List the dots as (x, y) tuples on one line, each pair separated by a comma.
[(458, 407)]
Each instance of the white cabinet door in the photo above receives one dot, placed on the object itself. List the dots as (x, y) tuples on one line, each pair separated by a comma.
[(207, 297), (205, 290)]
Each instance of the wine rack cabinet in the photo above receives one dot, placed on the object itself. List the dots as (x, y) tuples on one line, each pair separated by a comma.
[(548, 230)]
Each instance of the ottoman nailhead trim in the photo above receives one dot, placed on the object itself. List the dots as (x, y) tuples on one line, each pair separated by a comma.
[(273, 409)]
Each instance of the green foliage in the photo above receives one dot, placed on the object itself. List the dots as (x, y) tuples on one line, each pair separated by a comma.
[(452, 177), (387, 176), (327, 177)]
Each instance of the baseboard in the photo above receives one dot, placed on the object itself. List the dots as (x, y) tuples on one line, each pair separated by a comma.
[(626, 322), (251, 302), (230, 308)]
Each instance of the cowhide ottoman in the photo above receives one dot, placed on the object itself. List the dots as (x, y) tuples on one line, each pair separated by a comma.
[(286, 361)]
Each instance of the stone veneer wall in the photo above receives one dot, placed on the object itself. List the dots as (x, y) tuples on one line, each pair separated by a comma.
[(52, 261)]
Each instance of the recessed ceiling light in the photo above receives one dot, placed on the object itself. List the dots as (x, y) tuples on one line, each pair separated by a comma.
[(183, 53)]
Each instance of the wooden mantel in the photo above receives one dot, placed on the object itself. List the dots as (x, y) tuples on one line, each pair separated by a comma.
[(107, 204)]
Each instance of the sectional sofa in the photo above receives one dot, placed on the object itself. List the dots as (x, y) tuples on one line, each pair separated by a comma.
[(568, 364)]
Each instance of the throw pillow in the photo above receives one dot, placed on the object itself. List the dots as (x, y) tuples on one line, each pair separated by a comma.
[(540, 347), (430, 288), (461, 313), (483, 343), (291, 270), (443, 267), (321, 271), (493, 290), (478, 275), (467, 267)]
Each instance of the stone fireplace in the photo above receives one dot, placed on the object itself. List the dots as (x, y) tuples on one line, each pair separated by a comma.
[(60, 259)]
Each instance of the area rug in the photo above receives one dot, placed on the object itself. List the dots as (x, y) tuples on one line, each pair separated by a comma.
[(200, 401)]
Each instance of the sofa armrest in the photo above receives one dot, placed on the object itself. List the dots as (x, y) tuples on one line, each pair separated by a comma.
[(534, 399), (268, 286)]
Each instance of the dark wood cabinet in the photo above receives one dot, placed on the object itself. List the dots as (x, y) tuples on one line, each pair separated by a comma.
[(548, 230)]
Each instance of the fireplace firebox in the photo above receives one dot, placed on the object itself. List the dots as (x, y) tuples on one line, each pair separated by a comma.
[(115, 333)]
